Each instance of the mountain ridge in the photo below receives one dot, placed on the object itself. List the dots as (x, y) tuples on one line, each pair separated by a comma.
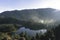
[(32, 18), (26, 13)]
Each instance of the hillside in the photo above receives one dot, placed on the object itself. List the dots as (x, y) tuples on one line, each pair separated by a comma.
[(34, 19), (31, 18), (29, 14)]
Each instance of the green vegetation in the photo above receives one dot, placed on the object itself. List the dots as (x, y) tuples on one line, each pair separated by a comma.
[(11, 35), (26, 17), (11, 21), (27, 24), (7, 31), (8, 27)]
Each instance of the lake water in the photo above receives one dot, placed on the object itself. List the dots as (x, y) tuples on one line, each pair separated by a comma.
[(31, 32)]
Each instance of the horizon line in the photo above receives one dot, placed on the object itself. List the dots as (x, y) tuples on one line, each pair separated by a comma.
[(27, 9)]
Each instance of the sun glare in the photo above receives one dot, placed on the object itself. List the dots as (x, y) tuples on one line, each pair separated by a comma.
[(41, 21)]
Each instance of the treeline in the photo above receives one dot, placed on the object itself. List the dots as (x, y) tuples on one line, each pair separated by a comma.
[(8, 32), (23, 36)]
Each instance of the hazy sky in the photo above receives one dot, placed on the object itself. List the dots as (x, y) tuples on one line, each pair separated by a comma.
[(28, 4)]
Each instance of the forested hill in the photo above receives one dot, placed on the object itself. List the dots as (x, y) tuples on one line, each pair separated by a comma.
[(29, 14), (32, 18)]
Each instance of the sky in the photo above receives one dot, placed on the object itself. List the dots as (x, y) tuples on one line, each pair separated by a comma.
[(7, 5)]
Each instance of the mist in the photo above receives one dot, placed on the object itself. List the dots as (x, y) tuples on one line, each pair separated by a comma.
[(52, 17)]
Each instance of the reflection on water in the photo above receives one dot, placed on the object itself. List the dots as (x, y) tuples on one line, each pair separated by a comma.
[(31, 32)]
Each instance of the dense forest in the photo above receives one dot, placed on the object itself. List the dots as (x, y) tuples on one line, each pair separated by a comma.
[(7, 31), (11, 21)]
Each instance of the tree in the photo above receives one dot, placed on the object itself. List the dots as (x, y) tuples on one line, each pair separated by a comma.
[(37, 36), (57, 32), (50, 35), (33, 38)]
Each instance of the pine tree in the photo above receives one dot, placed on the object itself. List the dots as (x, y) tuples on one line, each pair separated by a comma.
[(37, 36)]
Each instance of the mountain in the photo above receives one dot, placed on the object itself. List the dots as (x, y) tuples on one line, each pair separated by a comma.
[(30, 17), (29, 14)]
